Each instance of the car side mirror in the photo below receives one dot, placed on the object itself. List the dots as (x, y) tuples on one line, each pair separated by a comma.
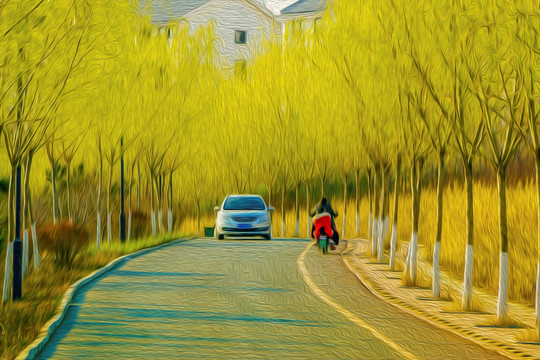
[(216, 208), (271, 208)]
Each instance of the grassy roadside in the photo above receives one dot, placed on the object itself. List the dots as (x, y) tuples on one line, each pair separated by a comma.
[(43, 291)]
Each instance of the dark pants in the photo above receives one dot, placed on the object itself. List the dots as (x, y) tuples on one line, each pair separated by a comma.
[(335, 235)]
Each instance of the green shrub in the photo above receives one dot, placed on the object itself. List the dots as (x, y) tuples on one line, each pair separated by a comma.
[(4, 186)]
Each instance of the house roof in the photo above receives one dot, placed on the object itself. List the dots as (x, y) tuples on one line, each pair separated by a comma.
[(304, 6), (167, 11)]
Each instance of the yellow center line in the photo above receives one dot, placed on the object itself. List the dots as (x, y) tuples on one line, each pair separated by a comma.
[(346, 313)]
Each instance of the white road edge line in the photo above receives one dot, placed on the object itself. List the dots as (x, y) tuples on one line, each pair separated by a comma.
[(346, 313)]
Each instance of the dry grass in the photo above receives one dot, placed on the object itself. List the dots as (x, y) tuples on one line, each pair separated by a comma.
[(528, 336), (43, 291), (507, 322), (522, 232), (456, 305)]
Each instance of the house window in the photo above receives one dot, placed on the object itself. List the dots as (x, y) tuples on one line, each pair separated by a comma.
[(240, 37)]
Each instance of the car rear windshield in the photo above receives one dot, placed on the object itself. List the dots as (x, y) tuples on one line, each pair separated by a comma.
[(244, 203)]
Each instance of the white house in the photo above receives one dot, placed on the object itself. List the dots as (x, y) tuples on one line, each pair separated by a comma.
[(241, 24)]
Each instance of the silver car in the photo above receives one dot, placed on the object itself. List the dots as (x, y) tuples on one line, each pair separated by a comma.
[(243, 215)]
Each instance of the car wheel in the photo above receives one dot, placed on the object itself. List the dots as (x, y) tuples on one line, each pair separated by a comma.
[(268, 236), (218, 236)]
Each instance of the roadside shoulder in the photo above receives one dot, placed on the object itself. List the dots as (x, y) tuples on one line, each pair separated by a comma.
[(473, 326)]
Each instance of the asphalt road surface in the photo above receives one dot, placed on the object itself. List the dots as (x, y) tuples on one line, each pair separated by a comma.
[(250, 299)]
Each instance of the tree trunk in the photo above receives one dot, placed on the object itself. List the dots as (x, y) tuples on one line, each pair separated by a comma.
[(283, 211), (393, 240), (169, 206), (323, 180), (386, 206), (375, 226), (138, 186), (370, 205), (129, 203), (437, 246), (160, 204), (35, 243), (467, 279), (53, 186), (109, 230), (7, 271), (411, 265), (308, 208), (198, 217), (270, 213), (297, 210), (357, 194), (344, 206), (68, 184), (98, 205), (537, 297), (153, 208), (502, 311), (10, 235), (24, 219), (30, 216), (109, 227), (25, 253), (383, 225)]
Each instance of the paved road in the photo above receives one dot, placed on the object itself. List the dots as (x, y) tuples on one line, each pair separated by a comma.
[(232, 299)]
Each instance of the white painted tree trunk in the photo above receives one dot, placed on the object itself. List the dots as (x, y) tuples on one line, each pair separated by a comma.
[(36, 249), (129, 226), (153, 216), (436, 277), (537, 302), (374, 236), (386, 226), (408, 260), (98, 230), (160, 218), (380, 242), (393, 247), (382, 235), (370, 225), (344, 224), (467, 280), (357, 223), (502, 310), (7, 271), (109, 230), (412, 260), (25, 253), (169, 221)]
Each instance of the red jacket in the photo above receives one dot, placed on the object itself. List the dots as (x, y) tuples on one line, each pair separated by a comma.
[(323, 221)]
